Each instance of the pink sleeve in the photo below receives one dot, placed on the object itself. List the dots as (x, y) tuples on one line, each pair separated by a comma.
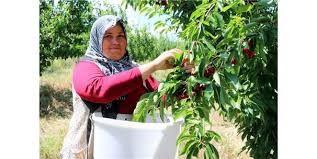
[(91, 83), (151, 84)]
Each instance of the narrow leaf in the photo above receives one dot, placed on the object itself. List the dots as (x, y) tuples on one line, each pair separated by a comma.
[(217, 78)]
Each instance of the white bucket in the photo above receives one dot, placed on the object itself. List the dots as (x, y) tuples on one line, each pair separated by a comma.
[(117, 139)]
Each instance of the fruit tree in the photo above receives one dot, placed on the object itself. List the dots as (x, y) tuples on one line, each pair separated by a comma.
[(233, 44)]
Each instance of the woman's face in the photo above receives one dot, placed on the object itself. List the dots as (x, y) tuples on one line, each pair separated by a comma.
[(114, 43)]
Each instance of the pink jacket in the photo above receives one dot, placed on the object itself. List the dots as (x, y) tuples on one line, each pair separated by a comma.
[(91, 84)]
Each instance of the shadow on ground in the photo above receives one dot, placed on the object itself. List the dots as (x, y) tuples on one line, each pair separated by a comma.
[(55, 102)]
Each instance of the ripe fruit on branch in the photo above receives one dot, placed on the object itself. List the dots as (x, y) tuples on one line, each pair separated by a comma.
[(194, 93), (199, 88), (161, 2), (209, 71), (234, 61), (251, 43), (164, 2), (182, 94), (250, 54), (164, 99)]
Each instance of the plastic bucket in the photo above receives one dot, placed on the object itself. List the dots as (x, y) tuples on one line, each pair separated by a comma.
[(117, 139)]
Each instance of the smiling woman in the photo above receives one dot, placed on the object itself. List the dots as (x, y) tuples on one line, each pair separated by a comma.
[(114, 42), (106, 80)]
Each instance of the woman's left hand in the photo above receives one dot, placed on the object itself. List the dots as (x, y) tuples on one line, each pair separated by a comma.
[(166, 59), (188, 66)]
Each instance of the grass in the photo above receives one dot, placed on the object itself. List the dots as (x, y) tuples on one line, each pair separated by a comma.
[(58, 75), (55, 89), (231, 143), (56, 108), (52, 134)]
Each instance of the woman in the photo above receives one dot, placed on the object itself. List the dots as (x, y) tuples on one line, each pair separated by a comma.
[(106, 79)]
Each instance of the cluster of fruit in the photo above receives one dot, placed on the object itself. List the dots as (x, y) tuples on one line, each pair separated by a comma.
[(249, 52), (210, 70), (182, 92)]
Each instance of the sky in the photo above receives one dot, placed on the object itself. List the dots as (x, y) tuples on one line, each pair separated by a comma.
[(134, 17), (140, 20)]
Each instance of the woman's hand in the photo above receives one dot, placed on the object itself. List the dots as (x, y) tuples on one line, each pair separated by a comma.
[(187, 66), (166, 59), (163, 62)]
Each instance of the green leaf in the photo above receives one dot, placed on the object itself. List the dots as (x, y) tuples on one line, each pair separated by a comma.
[(203, 112), (143, 107), (221, 43), (178, 59), (181, 113), (261, 19), (159, 24), (191, 57), (167, 86), (144, 9), (224, 56), (152, 13), (139, 112), (152, 113), (249, 110), (184, 138), (224, 9), (207, 33), (209, 92), (190, 150), (228, 32), (250, 25), (188, 144), (213, 135), (162, 109), (196, 150), (223, 99), (244, 8), (212, 151), (196, 14), (206, 155), (209, 151), (155, 98), (219, 18), (209, 45), (201, 67), (233, 79), (201, 128), (216, 154), (217, 78), (220, 4)]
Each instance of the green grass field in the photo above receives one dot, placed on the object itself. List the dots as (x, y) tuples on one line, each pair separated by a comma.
[(56, 108)]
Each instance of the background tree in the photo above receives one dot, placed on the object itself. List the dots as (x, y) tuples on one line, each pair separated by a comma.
[(63, 29), (144, 46), (234, 44)]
